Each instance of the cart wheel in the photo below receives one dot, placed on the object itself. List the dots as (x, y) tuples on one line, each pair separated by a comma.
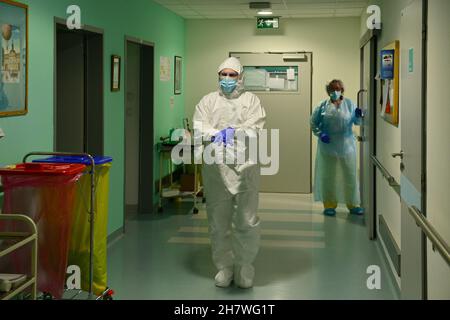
[(195, 211), (108, 295), (47, 296), (160, 209)]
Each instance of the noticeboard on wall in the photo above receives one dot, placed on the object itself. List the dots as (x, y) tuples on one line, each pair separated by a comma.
[(271, 78), (390, 82)]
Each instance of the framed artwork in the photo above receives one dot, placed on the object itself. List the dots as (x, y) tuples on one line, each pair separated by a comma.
[(390, 82), (13, 58), (178, 74), (115, 73)]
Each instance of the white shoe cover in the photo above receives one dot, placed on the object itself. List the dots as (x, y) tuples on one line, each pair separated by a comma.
[(244, 276), (224, 278)]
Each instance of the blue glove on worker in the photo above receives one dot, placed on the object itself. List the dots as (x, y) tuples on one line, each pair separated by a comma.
[(225, 136), (325, 138), (358, 113)]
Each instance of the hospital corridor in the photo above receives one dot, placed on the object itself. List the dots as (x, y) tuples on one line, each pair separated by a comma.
[(248, 153), (303, 256)]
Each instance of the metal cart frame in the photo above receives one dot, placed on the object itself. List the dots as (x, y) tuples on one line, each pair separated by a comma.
[(24, 238), (167, 149), (107, 294)]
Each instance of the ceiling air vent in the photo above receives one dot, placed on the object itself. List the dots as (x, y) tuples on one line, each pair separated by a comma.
[(260, 5)]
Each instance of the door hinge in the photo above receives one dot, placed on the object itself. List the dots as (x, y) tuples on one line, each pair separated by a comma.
[(424, 32), (423, 182)]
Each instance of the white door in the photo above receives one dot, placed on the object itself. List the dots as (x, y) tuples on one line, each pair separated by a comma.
[(412, 128), (282, 81)]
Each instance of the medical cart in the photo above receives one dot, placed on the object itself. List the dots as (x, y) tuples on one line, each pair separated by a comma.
[(173, 191)]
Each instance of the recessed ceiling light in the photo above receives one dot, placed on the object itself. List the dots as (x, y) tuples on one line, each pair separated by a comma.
[(265, 12)]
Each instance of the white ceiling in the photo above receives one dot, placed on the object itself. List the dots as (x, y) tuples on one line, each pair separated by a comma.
[(239, 9)]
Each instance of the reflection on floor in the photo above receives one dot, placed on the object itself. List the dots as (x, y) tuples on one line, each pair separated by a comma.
[(303, 255)]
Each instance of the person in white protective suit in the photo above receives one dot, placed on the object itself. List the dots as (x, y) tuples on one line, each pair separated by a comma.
[(231, 189), (335, 177)]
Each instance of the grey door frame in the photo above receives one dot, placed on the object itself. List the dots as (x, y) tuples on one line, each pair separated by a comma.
[(141, 42), (60, 21), (370, 39), (232, 53), (424, 139)]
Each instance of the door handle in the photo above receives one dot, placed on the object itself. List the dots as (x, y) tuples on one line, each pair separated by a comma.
[(360, 92), (359, 97), (398, 155)]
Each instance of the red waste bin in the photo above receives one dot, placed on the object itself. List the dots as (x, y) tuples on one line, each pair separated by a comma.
[(45, 193)]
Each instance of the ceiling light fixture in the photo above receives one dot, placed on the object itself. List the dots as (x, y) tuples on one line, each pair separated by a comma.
[(265, 12)]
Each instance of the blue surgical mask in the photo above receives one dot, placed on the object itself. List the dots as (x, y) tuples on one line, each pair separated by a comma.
[(336, 95), (228, 85)]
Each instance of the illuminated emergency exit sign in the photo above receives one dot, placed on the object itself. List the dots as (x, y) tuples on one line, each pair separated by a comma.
[(267, 23)]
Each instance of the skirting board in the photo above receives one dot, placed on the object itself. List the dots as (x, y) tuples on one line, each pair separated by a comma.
[(116, 235), (131, 209)]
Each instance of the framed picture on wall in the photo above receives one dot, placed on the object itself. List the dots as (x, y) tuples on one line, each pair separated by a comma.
[(178, 74), (115, 73), (390, 82), (13, 58)]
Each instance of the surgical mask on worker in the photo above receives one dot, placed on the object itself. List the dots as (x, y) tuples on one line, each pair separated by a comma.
[(336, 95), (228, 85)]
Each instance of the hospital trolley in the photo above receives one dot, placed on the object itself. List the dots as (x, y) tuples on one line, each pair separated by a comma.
[(165, 151), (13, 241), (108, 293)]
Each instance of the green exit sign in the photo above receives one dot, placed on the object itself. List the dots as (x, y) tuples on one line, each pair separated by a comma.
[(268, 23)]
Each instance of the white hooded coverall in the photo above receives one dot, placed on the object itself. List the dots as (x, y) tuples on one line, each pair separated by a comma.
[(231, 189)]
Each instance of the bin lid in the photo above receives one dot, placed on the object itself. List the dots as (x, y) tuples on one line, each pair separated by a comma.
[(43, 169), (76, 159)]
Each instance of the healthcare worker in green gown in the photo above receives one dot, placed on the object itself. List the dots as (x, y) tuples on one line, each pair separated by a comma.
[(335, 173)]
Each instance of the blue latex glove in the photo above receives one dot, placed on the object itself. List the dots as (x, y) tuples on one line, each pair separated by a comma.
[(325, 138), (225, 136), (358, 112)]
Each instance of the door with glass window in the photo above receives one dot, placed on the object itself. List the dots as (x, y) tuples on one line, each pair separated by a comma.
[(282, 81)]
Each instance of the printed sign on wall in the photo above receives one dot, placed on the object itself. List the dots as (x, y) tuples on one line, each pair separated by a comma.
[(164, 71)]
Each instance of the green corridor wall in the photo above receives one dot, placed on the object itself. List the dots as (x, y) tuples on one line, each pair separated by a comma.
[(141, 19)]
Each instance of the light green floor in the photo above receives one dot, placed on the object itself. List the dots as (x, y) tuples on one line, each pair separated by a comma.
[(303, 255)]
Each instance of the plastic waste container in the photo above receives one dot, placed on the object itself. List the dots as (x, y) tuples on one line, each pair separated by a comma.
[(80, 241), (46, 193)]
